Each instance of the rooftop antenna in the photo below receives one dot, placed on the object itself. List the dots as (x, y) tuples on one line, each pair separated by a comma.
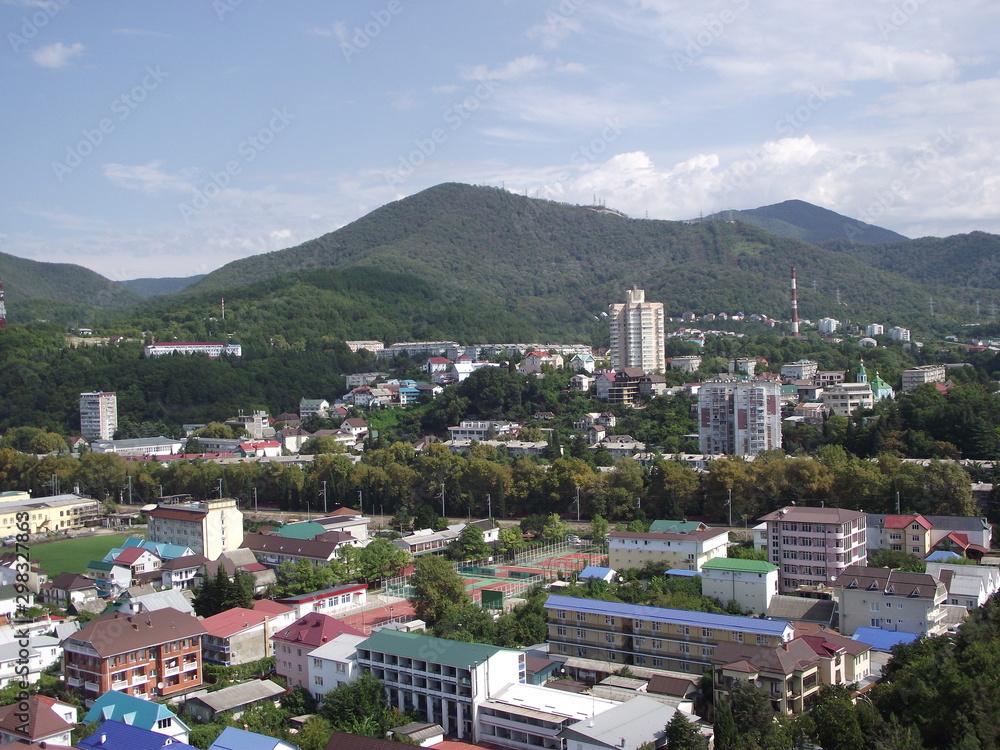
[(223, 308)]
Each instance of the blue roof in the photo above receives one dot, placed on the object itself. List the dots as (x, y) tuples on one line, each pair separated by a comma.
[(942, 555), (676, 616), (113, 735), (127, 709), (162, 550), (592, 571), (679, 573), (240, 739), (882, 640)]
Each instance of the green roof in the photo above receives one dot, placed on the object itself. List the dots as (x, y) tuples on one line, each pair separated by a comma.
[(675, 527), (99, 565), (302, 530), (739, 565), (457, 654), (129, 709)]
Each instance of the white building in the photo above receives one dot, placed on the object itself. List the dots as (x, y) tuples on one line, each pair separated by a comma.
[(313, 407), (333, 664), (739, 417), (968, 586), (685, 364), (98, 415), (483, 429), (637, 333), (155, 446), (688, 551), (874, 329), (827, 326), (214, 349), (208, 528), (891, 600), (917, 376), (896, 333), (750, 583), (448, 681), (803, 369), (847, 398)]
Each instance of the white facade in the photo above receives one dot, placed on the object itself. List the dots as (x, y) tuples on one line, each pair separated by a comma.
[(897, 333), (683, 551), (637, 333), (213, 349), (827, 325), (847, 398), (209, 528), (874, 329), (739, 417), (333, 664), (750, 583), (968, 586), (890, 600), (916, 376), (804, 369), (158, 446), (98, 415)]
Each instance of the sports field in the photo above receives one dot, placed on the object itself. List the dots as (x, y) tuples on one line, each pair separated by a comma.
[(73, 555)]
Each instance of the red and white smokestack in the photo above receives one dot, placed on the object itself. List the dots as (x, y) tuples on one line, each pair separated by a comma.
[(795, 305)]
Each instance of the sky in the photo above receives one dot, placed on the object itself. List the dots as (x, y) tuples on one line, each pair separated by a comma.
[(153, 139)]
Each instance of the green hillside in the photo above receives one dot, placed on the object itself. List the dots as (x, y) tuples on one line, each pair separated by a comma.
[(74, 285), (167, 285)]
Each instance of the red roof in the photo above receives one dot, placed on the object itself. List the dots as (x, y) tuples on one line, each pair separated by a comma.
[(130, 555), (314, 629), (439, 360), (253, 567), (178, 514), (271, 608), (41, 721), (902, 522), (232, 621)]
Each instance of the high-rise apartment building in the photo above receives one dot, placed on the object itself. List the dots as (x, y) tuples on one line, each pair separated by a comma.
[(637, 333), (98, 415), (739, 417)]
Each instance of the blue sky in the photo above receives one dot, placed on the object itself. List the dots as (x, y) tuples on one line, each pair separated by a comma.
[(168, 138)]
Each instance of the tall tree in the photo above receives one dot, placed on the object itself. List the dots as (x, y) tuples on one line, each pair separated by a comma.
[(436, 587), (683, 735)]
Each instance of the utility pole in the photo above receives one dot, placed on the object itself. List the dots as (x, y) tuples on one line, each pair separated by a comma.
[(897, 504), (577, 503), (324, 497), (361, 504), (442, 501), (254, 499), (161, 491), (489, 506), (729, 502), (220, 488), (129, 478)]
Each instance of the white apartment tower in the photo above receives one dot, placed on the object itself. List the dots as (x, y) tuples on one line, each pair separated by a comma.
[(98, 415), (739, 417), (637, 333)]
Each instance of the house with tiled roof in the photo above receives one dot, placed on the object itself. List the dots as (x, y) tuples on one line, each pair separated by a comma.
[(236, 636), (890, 600), (787, 674), (138, 560), (280, 615), (329, 601), (183, 572), (69, 589), (293, 644), (233, 700), (38, 719), (148, 655), (111, 578), (144, 714), (437, 364), (274, 550)]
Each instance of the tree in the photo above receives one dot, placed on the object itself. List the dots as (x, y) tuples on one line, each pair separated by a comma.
[(314, 734), (726, 736), (510, 539), (469, 545), (555, 528), (683, 735), (359, 707), (436, 587), (381, 559), (599, 528), (209, 599), (835, 719)]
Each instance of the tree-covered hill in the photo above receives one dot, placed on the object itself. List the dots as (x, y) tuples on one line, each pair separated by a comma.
[(804, 221), (167, 285), (66, 283)]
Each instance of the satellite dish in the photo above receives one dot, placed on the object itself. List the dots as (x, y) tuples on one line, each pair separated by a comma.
[(159, 685), (758, 683)]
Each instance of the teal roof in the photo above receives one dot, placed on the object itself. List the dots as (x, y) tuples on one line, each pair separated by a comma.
[(162, 550), (302, 530), (738, 565), (99, 565), (456, 654), (128, 709), (675, 527), (789, 390)]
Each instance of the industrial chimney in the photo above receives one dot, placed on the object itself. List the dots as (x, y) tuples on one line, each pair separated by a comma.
[(795, 305)]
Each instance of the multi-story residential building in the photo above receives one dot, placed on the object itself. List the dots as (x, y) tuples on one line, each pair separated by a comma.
[(846, 398), (213, 349), (874, 329), (111, 579), (743, 366), (917, 376), (968, 586), (209, 528), (911, 534), (830, 377), (739, 417), (813, 546), (49, 514), (896, 333), (328, 601), (98, 415), (893, 600), (148, 655), (333, 664), (803, 369), (687, 551), (373, 346), (293, 644), (685, 364), (236, 636), (637, 334), (599, 637), (154, 446), (826, 326), (968, 536), (749, 583), (447, 681), (482, 429), (621, 387), (183, 572), (313, 407)]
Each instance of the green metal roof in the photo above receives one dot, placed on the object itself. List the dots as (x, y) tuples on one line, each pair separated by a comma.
[(675, 527), (303, 530), (739, 565), (427, 648), (99, 565)]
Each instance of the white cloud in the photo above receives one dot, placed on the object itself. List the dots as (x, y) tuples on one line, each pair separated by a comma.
[(517, 68), (57, 55), (557, 27), (148, 178)]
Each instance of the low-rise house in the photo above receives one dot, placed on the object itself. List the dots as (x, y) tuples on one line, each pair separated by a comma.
[(313, 407), (583, 363), (685, 364), (328, 601), (890, 600), (243, 560), (425, 541), (333, 664), (626, 726), (26, 662), (581, 382), (152, 716), (274, 550), (113, 735), (139, 603), (749, 583), (13, 600), (152, 654), (901, 533), (293, 644), (688, 551), (69, 590), (41, 720), (233, 700), (236, 636), (240, 739), (789, 674), (279, 615), (183, 572), (259, 448), (968, 586), (292, 438), (111, 578)]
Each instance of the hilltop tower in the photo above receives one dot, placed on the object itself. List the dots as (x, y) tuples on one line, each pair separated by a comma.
[(795, 305), (3, 309)]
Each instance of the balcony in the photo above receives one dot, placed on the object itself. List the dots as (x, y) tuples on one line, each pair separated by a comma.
[(119, 684), (92, 687)]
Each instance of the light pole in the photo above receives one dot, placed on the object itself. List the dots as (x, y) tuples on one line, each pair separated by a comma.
[(255, 500), (729, 502), (324, 497), (577, 503)]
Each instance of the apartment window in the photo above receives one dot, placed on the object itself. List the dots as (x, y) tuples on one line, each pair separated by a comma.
[(738, 637), (581, 616), (341, 667), (874, 606), (318, 680), (706, 651), (561, 630), (657, 626), (298, 652), (579, 632), (609, 637), (318, 663), (685, 648), (876, 622), (684, 630), (609, 620), (761, 640), (640, 642), (707, 633), (637, 624), (561, 614)]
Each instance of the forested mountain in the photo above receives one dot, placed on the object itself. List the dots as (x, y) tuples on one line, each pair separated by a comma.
[(804, 221), (168, 285), (25, 279)]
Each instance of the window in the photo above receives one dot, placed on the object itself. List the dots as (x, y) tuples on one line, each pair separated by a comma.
[(761, 640), (581, 616), (738, 637), (609, 637), (318, 663), (318, 680), (637, 624), (164, 723), (707, 633), (561, 630), (561, 614), (609, 620), (685, 648), (657, 626), (579, 632), (876, 622), (341, 667), (657, 644), (640, 642), (684, 630), (873, 606)]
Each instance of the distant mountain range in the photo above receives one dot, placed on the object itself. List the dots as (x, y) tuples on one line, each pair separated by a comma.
[(457, 260), (804, 221)]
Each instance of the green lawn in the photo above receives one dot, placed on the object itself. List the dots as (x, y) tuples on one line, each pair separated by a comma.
[(73, 555)]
